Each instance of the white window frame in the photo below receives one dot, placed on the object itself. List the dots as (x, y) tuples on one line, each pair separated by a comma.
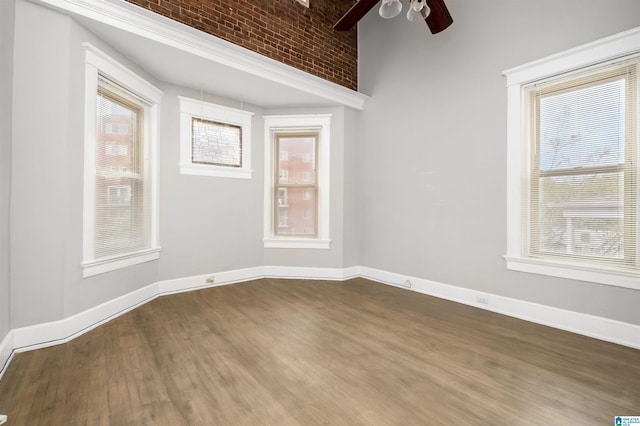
[(609, 50), (320, 123), (98, 63), (193, 108)]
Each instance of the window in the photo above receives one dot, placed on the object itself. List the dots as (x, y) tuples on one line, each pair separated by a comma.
[(120, 188), (116, 149), (573, 166), (297, 198), (214, 140), (119, 194), (284, 155), (117, 128), (301, 183)]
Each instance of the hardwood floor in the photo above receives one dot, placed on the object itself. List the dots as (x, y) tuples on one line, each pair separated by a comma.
[(287, 352)]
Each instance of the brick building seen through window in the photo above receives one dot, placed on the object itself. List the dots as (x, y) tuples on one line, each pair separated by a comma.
[(297, 189)]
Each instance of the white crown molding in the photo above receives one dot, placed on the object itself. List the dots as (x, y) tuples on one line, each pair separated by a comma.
[(615, 46), (58, 332), (139, 21)]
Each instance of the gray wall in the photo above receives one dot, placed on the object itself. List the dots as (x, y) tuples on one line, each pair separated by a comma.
[(351, 227), (433, 145), (417, 180), (332, 257), (207, 224), (47, 170), (6, 78)]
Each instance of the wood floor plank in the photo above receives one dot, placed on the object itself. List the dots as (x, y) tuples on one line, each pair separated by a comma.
[(295, 352)]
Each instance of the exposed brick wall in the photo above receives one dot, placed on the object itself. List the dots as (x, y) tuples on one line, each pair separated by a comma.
[(283, 30)]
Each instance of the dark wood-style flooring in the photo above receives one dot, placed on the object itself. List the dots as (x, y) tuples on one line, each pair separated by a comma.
[(294, 352)]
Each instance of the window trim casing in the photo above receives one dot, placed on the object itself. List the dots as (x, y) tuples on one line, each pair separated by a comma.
[(300, 123), (193, 108), (98, 63), (615, 48)]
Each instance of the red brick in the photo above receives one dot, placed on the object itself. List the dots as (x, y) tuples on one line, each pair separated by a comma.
[(283, 30)]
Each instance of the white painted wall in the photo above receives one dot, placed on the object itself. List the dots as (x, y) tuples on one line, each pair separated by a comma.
[(432, 143), (207, 224), (417, 181), (6, 78), (40, 141), (351, 221), (332, 257), (47, 170)]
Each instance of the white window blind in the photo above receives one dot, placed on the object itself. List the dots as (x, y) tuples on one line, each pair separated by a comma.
[(583, 176), (121, 191)]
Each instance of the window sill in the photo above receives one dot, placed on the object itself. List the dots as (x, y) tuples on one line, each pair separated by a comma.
[(576, 271), (297, 243), (100, 266), (227, 172)]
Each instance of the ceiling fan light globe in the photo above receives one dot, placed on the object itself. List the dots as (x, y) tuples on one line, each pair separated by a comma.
[(414, 15), (417, 5), (390, 8)]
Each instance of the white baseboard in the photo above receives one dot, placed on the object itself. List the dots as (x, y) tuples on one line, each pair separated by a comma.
[(600, 328), (58, 332), (198, 282), (62, 331), (333, 274), (6, 352)]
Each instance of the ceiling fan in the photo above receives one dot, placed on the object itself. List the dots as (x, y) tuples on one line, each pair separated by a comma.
[(438, 19)]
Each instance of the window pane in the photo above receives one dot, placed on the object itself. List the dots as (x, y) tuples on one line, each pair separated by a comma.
[(296, 214), (297, 169), (296, 211), (119, 220), (216, 143), (583, 127), (582, 215)]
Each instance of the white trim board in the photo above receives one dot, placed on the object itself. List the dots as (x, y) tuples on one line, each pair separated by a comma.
[(6, 352), (600, 328), (58, 332)]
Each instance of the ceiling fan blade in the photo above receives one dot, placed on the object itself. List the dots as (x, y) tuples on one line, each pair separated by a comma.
[(439, 19), (353, 15)]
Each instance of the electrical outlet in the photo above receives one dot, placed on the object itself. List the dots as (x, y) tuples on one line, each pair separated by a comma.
[(209, 280), (406, 284), (482, 300)]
